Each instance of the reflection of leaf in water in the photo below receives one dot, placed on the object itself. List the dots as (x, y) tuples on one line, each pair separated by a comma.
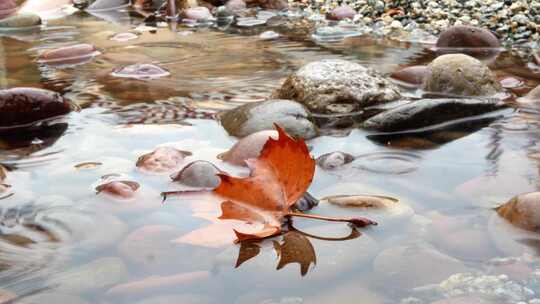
[(247, 251), (533, 243), (296, 248)]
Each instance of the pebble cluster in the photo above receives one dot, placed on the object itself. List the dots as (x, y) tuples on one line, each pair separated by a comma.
[(516, 22)]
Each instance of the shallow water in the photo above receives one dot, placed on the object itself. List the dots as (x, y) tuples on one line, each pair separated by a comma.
[(53, 223)]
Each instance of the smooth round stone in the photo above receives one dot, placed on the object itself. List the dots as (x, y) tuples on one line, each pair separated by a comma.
[(20, 21), (334, 160), (248, 147), (72, 54), (460, 74), (123, 37), (269, 35), (201, 174), (52, 297), (250, 22), (410, 266), (140, 71), (197, 13), (413, 75), (98, 274), (259, 116), (467, 37), (342, 12), (162, 160), (522, 211), (26, 106)]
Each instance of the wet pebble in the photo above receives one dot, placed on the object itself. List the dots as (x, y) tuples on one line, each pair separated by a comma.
[(463, 36), (162, 160), (429, 112), (334, 160), (510, 82), (200, 174), (413, 75), (259, 116), (19, 21), (460, 74), (73, 54), (140, 71), (235, 5), (248, 147), (415, 265), (98, 274), (119, 189), (522, 211), (123, 37), (24, 106), (337, 86), (197, 13), (341, 12), (269, 35)]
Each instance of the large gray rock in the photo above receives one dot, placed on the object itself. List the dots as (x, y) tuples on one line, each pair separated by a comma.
[(427, 112), (337, 86), (459, 74), (258, 116)]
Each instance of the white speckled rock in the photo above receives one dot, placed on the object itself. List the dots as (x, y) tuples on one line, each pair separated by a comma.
[(337, 86)]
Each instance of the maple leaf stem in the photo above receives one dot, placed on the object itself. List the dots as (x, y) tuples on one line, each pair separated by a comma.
[(357, 221)]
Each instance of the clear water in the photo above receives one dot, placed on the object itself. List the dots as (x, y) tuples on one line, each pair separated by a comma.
[(53, 223)]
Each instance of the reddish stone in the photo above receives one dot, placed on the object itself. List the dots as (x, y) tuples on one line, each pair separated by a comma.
[(467, 37), (342, 12)]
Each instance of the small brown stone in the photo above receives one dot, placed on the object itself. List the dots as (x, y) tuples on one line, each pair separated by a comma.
[(523, 211)]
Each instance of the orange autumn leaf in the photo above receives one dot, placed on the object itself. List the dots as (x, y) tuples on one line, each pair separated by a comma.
[(279, 177)]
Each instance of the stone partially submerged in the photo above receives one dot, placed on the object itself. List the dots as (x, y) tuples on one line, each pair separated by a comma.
[(20, 107), (259, 116), (459, 74), (428, 112), (337, 86)]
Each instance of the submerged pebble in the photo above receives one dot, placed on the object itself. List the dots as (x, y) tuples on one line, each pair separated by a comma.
[(140, 71), (119, 189), (532, 97), (201, 174), (334, 160), (463, 36), (341, 12), (197, 13), (248, 147), (249, 22), (413, 75), (162, 160), (70, 55), (7, 7)]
